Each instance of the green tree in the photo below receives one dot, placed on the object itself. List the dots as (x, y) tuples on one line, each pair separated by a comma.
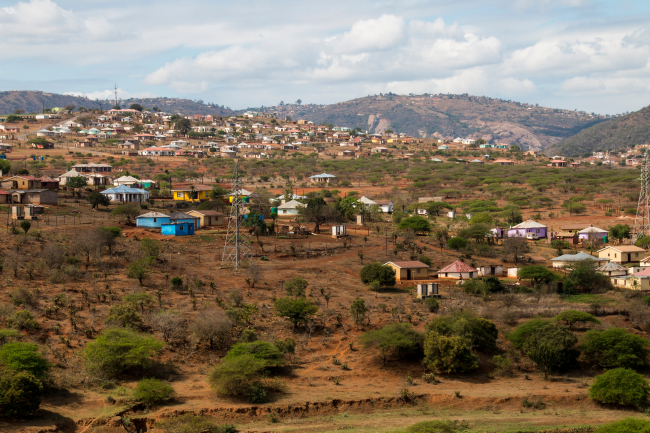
[(127, 211), (620, 386), (138, 270), (627, 425), (298, 311), (150, 248), (124, 316), (152, 392), (615, 347), (643, 242), (522, 332), (120, 351), (76, 182), (395, 338), (478, 331), (537, 273), (619, 232), (25, 225), (448, 354), (456, 243), (358, 310), (377, 272), (416, 224), (571, 317), (296, 287), (183, 126), (552, 348), (136, 107), (20, 393), (584, 278), (24, 357), (96, 198)]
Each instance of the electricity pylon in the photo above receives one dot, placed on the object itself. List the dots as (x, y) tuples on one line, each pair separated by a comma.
[(237, 250), (642, 221)]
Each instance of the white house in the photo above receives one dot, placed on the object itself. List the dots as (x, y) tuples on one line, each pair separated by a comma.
[(458, 271), (126, 180), (124, 194), (289, 208)]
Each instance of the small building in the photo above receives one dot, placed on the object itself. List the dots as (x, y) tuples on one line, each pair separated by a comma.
[(180, 217), (191, 193), (322, 178), (570, 259), (208, 218), (5, 197), (530, 226), (490, 271), (177, 229), (612, 269), (572, 238), (623, 253), (458, 271), (289, 208), (409, 270), (152, 220), (34, 196), (21, 182), (592, 232), (93, 168), (386, 206), (124, 194), (632, 282), (49, 183), (126, 180)]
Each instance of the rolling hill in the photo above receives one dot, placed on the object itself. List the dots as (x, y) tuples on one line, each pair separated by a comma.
[(633, 128)]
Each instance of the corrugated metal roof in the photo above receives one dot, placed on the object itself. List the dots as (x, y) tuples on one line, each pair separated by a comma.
[(530, 224), (611, 267), (576, 257), (458, 267), (408, 264)]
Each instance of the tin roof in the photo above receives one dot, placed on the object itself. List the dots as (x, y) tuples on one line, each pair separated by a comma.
[(458, 267), (408, 264)]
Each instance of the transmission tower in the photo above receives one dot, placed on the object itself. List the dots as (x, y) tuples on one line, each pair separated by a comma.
[(642, 221), (237, 249)]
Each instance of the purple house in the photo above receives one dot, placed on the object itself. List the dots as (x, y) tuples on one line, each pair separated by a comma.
[(530, 226), (592, 232)]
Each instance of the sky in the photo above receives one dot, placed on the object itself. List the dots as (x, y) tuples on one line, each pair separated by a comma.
[(591, 55)]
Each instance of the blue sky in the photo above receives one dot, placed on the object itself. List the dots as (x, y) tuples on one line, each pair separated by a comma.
[(591, 55)]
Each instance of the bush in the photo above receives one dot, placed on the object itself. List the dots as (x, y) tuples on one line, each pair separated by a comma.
[(120, 351), (522, 332), (398, 338), (584, 278), (23, 320), (552, 348), (20, 393), (615, 348), (7, 334), (152, 392), (177, 283), (190, 423), (478, 331), (296, 287), (431, 427), (629, 425), (123, 316), (432, 304), (571, 317), (298, 311), (378, 272), (286, 346), (448, 354), (620, 386), (24, 357)]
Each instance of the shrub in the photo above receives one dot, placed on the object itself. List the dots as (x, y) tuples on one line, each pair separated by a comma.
[(431, 427), (7, 334), (358, 310), (629, 425), (571, 317), (152, 392), (123, 316), (24, 357), (20, 393), (119, 351), (615, 348), (378, 272), (23, 320), (177, 283), (296, 287), (584, 278), (448, 354), (399, 338), (478, 331), (212, 326), (522, 332), (298, 311), (432, 304), (190, 423), (620, 386), (286, 346), (551, 348), (23, 297)]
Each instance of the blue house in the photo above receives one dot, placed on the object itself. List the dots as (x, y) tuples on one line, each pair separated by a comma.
[(152, 220), (177, 229), (180, 217)]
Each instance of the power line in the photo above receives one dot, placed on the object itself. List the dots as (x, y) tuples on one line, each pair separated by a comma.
[(237, 250)]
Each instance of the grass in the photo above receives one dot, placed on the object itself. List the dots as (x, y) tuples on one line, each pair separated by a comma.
[(587, 298)]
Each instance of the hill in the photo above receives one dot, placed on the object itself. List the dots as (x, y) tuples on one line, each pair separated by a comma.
[(35, 101), (449, 116), (633, 128)]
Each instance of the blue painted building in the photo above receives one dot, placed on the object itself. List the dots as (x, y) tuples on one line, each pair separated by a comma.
[(180, 217), (152, 220), (177, 229)]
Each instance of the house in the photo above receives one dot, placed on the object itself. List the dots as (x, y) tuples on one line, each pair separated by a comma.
[(409, 270), (124, 194), (208, 218), (289, 208), (322, 178), (152, 220), (191, 193), (570, 259), (530, 226), (86, 142), (386, 206), (127, 145), (177, 229), (458, 271), (93, 168), (490, 271), (126, 180), (180, 217), (572, 238), (503, 161), (558, 163), (5, 197), (21, 182), (623, 253), (49, 183), (612, 270), (592, 232), (34, 196), (632, 282)]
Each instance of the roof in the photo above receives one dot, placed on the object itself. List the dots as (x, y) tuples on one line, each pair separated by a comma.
[(592, 229), (366, 200), (611, 267), (408, 264), (92, 164), (123, 189), (180, 216), (383, 202), (322, 176), (153, 215), (576, 257), (574, 226), (530, 224), (565, 234), (207, 212), (624, 248), (196, 188), (292, 204), (643, 273), (4, 193), (127, 179), (457, 267)]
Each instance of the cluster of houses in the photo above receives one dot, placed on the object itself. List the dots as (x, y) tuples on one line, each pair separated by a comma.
[(179, 223)]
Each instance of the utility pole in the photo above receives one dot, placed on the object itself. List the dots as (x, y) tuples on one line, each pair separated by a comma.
[(116, 94)]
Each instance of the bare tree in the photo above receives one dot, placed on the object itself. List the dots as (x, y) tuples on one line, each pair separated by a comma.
[(211, 326), (52, 254), (170, 325), (12, 260), (516, 246), (254, 274)]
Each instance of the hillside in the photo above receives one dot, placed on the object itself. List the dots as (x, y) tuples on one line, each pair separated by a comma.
[(494, 120), (35, 101), (633, 128)]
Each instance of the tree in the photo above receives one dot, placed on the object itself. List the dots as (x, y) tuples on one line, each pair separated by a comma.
[(96, 198), (124, 316), (76, 182), (643, 242), (138, 270), (415, 223), (619, 232), (70, 107), (152, 392), (150, 248), (456, 243), (358, 310), (13, 118), (218, 192), (318, 212), (296, 287), (620, 386), (136, 107), (25, 225), (519, 336), (20, 393), (298, 311), (399, 338), (375, 271), (551, 348), (517, 246), (120, 351), (211, 326), (614, 348), (538, 273), (478, 232), (478, 331), (24, 357), (183, 126), (584, 278), (627, 425), (571, 317), (451, 354), (574, 207), (127, 211)]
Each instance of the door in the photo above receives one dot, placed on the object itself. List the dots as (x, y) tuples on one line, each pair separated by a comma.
[(408, 274)]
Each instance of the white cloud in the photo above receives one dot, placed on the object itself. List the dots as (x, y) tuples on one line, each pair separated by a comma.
[(514, 87), (603, 86), (110, 94), (382, 33)]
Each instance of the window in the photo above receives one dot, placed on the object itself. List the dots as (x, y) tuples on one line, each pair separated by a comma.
[(182, 228), (417, 271), (636, 254), (179, 195), (155, 219)]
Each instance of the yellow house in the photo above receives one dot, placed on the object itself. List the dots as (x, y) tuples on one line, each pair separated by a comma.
[(623, 253), (209, 217), (191, 193), (409, 270)]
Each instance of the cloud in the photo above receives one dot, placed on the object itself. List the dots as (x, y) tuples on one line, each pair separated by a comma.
[(602, 86), (382, 33), (513, 86), (110, 94)]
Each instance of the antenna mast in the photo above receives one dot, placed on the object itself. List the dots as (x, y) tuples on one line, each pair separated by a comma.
[(237, 250), (116, 94), (642, 221)]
